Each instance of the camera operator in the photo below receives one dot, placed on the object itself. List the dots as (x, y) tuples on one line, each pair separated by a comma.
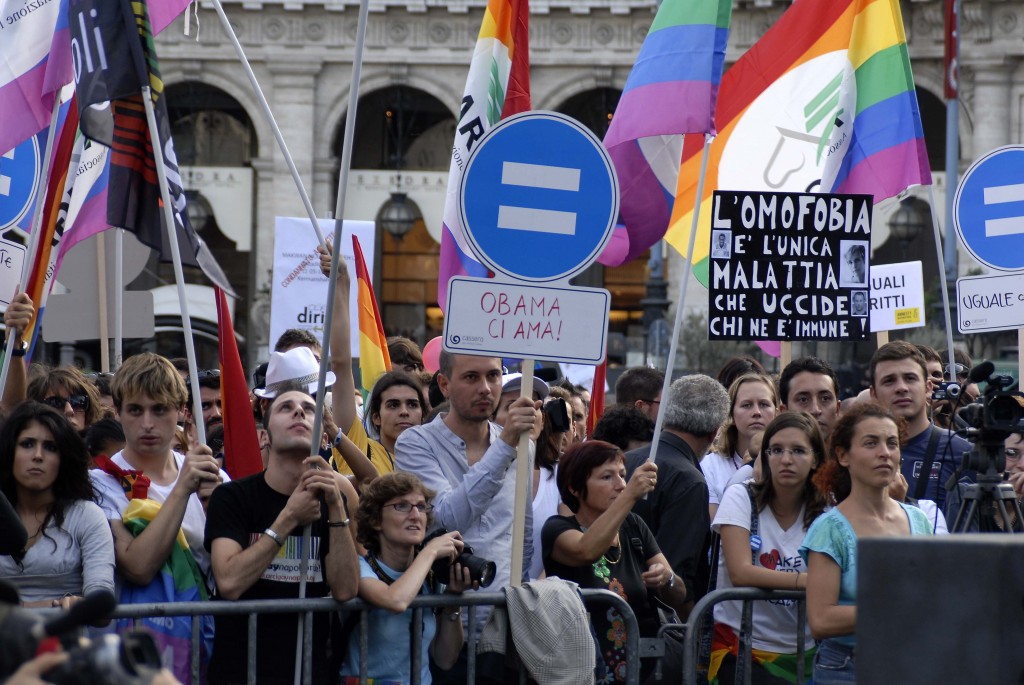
[(1013, 452)]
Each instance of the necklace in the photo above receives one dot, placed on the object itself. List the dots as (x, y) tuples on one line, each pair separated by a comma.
[(601, 569)]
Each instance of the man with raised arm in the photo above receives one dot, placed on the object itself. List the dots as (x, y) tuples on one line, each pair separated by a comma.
[(254, 534)]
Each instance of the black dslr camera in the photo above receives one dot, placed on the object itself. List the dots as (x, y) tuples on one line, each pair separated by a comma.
[(481, 570)]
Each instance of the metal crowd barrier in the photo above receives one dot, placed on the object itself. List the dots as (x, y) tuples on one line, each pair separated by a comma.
[(695, 623), (308, 607)]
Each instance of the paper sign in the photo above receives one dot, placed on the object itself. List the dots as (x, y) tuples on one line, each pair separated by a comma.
[(897, 296), (788, 266), (299, 290), (990, 303), (12, 260), (547, 323)]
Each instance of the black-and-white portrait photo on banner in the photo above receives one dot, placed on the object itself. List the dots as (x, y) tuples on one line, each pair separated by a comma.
[(721, 244), (854, 267)]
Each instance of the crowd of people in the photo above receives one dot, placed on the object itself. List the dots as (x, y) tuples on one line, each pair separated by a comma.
[(775, 478)]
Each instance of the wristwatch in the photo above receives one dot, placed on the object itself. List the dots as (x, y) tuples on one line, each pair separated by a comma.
[(20, 349)]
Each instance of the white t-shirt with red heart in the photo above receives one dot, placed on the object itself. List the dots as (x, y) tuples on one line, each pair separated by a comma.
[(774, 620)]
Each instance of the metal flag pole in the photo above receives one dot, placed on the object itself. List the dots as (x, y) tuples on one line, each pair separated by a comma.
[(305, 626), (179, 274), (33, 239), (683, 283), (952, 89), (265, 106), (944, 281)]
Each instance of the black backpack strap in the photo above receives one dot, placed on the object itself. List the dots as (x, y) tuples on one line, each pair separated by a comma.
[(754, 521), (926, 466)]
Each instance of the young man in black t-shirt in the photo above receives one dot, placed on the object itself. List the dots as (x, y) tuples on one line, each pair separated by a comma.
[(254, 534)]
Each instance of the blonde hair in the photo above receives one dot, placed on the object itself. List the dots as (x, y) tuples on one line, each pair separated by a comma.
[(148, 375), (728, 437)]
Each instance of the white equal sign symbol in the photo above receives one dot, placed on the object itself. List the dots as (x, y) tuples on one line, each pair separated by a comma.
[(5, 181), (997, 195), (531, 218)]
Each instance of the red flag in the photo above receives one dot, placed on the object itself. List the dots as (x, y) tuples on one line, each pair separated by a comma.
[(241, 446), (597, 396)]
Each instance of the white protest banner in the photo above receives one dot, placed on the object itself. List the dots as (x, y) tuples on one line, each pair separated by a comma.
[(897, 297), (548, 323), (12, 260), (298, 295), (990, 303), (789, 266)]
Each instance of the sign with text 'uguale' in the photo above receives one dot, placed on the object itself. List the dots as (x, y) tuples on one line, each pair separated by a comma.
[(789, 266)]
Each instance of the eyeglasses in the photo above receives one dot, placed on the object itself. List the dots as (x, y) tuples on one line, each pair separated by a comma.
[(78, 402), (959, 368), (406, 507), (776, 451)]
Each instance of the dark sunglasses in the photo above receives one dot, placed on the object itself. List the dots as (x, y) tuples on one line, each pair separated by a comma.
[(78, 402)]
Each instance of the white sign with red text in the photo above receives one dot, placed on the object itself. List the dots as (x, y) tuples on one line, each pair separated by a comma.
[(548, 323)]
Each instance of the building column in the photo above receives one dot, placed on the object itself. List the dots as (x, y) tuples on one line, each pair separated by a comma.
[(293, 103), (262, 260), (991, 104)]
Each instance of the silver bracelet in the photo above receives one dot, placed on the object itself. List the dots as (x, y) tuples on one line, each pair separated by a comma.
[(270, 533)]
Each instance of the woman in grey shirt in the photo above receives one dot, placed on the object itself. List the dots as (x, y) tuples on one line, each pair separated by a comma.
[(44, 473)]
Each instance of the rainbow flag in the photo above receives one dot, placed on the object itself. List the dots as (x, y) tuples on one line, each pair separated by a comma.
[(498, 86), (35, 62), (671, 90), (825, 102), (373, 344)]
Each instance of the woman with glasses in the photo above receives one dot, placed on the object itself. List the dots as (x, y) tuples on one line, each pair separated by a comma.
[(753, 403), (67, 390), (762, 525), (393, 518), (44, 473), (863, 460)]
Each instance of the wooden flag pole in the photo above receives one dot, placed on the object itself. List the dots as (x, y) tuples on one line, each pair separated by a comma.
[(101, 286), (272, 122), (882, 338), (179, 274), (119, 297), (524, 480), (33, 239), (785, 353), (684, 281)]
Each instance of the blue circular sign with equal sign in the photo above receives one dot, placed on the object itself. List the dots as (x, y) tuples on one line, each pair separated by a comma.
[(539, 197), (19, 176), (988, 209)]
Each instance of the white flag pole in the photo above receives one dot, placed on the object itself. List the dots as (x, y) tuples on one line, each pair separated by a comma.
[(943, 280), (179, 274), (681, 300), (101, 286), (33, 239), (305, 626), (265, 107)]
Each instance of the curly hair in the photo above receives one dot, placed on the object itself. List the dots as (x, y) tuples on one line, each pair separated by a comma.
[(371, 504), (833, 479), (72, 482), (764, 489)]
